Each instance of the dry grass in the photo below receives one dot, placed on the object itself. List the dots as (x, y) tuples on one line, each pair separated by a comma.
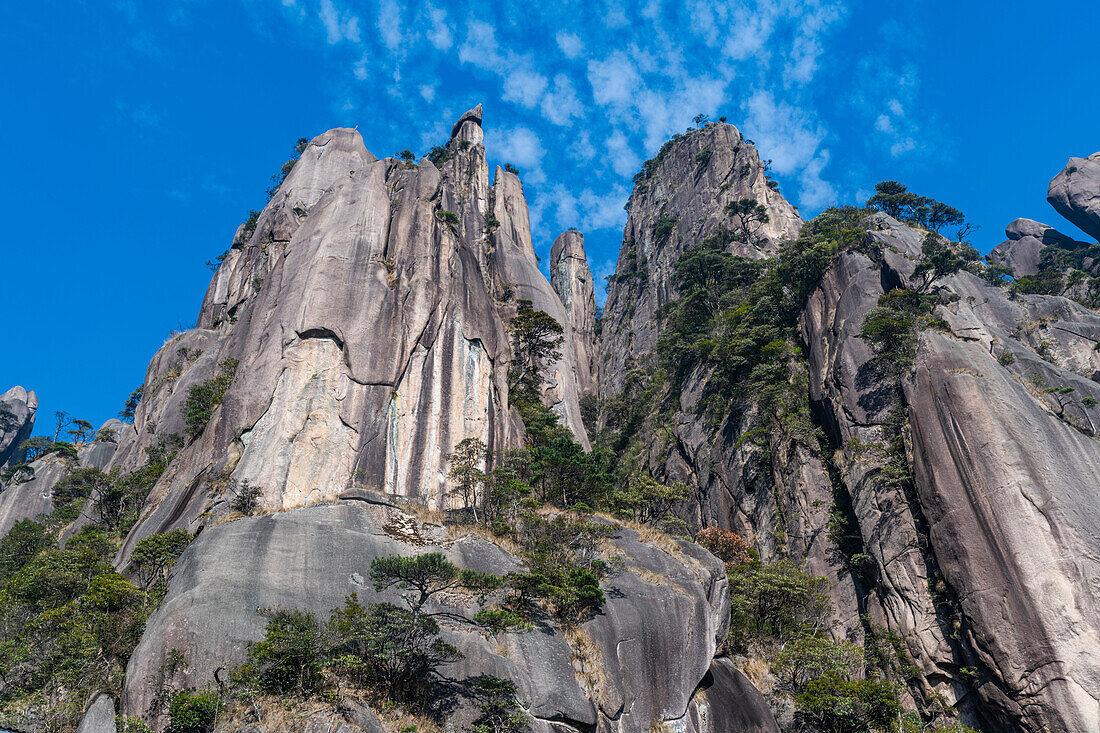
[(293, 716), (424, 513), (758, 672), (458, 531), (588, 665)]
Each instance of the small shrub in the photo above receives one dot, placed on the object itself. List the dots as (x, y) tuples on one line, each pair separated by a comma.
[(848, 706), (1006, 358), (448, 217), (511, 169), (203, 397), (192, 712), (246, 498)]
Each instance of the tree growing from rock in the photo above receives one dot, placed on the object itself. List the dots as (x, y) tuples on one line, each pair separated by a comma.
[(466, 473), (536, 345), (748, 214)]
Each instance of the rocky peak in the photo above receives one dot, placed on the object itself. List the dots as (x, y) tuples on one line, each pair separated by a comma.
[(679, 199), (463, 131), (368, 310), (1075, 193), (17, 408), (572, 279)]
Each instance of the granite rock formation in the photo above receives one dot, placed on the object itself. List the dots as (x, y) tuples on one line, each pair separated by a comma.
[(632, 666), (17, 408), (572, 280), (1075, 193)]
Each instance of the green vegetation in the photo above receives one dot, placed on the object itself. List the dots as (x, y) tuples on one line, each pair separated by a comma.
[(896, 200), (448, 217), (203, 397), (71, 621), (511, 169)]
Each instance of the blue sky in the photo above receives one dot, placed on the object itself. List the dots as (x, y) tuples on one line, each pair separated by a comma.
[(140, 133)]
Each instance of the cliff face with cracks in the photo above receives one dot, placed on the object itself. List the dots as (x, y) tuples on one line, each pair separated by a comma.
[(367, 307), (364, 313), (984, 562)]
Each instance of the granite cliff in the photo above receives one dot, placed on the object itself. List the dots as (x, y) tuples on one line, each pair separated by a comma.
[(934, 486)]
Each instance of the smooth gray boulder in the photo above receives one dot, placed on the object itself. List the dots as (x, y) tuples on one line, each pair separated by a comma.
[(727, 702), (1026, 240), (17, 408), (572, 279), (1075, 193), (100, 716), (647, 649)]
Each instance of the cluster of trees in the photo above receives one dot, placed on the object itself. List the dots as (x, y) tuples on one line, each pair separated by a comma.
[(70, 619), (203, 397), (781, 614), (898, 201)]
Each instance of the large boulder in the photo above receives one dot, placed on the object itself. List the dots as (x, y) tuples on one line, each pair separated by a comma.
[(633, 665), (1026, 240), (1075, 193)]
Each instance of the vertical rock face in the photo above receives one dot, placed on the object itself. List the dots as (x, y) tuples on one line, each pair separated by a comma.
[(17, 408), (677, 205), (1075, 193), (365, 310), (572, 280), (984, 562)]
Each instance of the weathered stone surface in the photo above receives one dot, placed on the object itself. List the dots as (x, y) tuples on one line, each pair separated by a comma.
[(1001, 473), (698, 176), (368, 316), (28, 499), (1026, 239), (1075, 193), (726, 702), (572, 279), (649, 647), (100, 716), (17, 408)]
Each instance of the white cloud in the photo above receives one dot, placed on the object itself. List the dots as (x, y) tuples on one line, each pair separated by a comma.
[(480, 48), (427, 92), (439, 34), (895, 108), (816, 193), (614, 80), (561, 105), (582, 148), (783, 132), (624, 161), (524, 86), (883, 124), (389, 23), (360, 68), (336, 28), (519, 146), (603, 210), (570, 44)]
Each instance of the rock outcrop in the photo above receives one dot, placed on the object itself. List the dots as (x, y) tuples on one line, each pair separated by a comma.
[(366, 310), (29, 492), (680, 202), (992, 527), (632, 666), (572, 280), (1026, 240), (1075, 193), (17, 408)]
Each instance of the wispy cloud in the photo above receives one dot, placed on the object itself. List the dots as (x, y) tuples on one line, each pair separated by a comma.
[(338, 27)]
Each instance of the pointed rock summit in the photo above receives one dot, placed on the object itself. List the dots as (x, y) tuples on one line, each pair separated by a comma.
[(572, 280)]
